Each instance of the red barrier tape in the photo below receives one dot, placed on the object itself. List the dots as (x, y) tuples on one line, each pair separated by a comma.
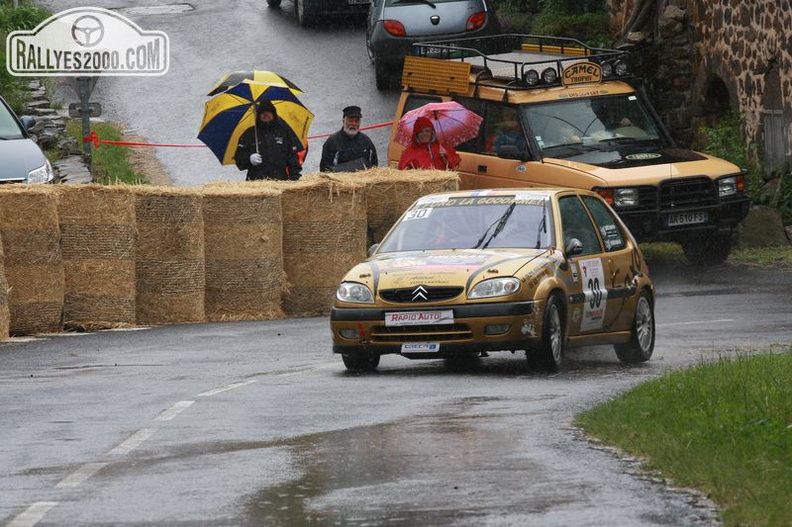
[(95, 140)]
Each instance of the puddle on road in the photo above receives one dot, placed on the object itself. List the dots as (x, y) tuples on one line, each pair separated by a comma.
[(414, 472)]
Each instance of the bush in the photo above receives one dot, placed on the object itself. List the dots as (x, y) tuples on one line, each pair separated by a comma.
[(25, 17), (585, 20)]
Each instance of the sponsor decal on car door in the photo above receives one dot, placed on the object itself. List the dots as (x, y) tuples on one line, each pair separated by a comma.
[(593, 281)]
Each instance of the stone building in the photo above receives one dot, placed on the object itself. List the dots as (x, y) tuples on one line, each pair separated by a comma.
[(708, 57)]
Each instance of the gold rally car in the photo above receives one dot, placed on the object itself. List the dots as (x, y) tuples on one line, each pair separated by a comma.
[(465, 273)]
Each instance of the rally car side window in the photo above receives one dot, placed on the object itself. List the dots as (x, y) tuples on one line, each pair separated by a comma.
[(577, 224), (608, 227)]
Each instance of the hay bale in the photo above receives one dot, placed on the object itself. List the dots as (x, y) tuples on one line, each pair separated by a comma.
[(4, 314), (169, 256), (97, 225), (243, 252), (390, 191), (33, 259)]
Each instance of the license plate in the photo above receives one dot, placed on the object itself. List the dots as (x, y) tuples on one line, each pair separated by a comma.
[(686, 218), (419, 318), (421, 347)]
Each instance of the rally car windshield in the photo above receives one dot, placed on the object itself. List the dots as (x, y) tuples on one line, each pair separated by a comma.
[(565, 128), (471, 223)]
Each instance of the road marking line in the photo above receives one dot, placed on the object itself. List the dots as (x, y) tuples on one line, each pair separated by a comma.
[(76, 478), (210, 393), (32, 515), (695, 322), (133, 442), (174, 410)]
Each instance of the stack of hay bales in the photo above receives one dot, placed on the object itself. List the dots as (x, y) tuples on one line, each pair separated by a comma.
[(169, 263), (244, 256), (390, 191), (97, 226), (33, 261), (324, 235), (4, 315)]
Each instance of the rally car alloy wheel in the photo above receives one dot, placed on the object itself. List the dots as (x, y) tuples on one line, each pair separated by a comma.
[(550, 353), (642, 337)]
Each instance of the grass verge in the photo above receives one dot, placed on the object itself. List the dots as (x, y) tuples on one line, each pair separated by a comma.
[(110, 165), (773, 256), (723, 428)]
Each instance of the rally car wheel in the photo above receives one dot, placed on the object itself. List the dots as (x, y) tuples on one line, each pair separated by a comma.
[(360, 361), (642, 338), (274, 3), (550, 353), (303, 18)]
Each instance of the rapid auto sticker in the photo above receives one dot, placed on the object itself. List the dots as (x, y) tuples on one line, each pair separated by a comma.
[(595, 292)]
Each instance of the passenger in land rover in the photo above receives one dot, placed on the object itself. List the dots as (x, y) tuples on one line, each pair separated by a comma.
[(584, 121)]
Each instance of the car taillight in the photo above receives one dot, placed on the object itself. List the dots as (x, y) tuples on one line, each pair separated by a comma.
[(476, 21), (394, 27)]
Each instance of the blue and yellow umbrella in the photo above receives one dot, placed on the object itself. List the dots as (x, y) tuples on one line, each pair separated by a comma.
[(229, 114), (260, 76)]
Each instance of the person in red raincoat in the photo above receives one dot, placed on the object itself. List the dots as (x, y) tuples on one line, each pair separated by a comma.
[(425, 151)]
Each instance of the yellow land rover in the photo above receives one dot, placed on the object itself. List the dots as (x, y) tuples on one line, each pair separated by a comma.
[(559, 113)]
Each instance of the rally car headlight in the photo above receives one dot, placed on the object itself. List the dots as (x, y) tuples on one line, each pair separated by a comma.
[(354, 293), (42, 174), (727, 186), (495, 287)]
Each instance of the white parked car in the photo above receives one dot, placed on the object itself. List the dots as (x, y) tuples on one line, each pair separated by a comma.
[(21, 159)]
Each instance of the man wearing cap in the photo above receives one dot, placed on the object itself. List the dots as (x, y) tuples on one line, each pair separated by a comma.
[(269, 149), (349, 149)]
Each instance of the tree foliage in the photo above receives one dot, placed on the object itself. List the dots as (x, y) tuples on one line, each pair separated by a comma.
[(586, 20)]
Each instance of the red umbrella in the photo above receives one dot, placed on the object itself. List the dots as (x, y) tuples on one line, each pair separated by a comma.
[(453, 123)]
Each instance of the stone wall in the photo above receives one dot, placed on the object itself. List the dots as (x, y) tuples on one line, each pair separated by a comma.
[(711, 56)]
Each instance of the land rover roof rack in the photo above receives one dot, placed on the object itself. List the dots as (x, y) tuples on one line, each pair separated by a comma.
[(522, 62)]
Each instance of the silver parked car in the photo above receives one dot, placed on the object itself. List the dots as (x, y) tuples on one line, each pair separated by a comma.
[(395, 25), (310, 12), (21, 159)]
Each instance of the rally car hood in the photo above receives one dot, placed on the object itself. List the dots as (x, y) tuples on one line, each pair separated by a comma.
[(461, 268), (637, 167)]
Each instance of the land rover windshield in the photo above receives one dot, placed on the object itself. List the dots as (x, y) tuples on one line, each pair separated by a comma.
[(592, 128)]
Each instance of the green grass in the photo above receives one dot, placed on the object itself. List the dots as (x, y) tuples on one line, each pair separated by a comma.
[(772, 256), (723, 428), (109, 163)]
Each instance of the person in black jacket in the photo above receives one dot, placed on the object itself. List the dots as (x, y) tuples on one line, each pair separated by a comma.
[(349, 149), (268, 150)]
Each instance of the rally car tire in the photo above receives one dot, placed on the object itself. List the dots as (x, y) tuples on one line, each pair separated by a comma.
[(642, 335), (360, 361), (274, 3), (549, 355), (303, 18)]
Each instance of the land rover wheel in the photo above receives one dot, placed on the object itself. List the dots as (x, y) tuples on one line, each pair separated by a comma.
[(360, 361), (549, 355), (642, 336), (707, 250), (274, 3), (384, 74), (303, 17)]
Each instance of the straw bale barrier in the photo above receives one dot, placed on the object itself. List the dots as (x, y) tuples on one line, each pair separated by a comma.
[(169, 255), (390, 191), (97, 225), (324, 235), (4, 314), (33, 260), (243, 252)]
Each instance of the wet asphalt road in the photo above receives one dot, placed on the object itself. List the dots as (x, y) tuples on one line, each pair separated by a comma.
[(256, 423), (329, 63)]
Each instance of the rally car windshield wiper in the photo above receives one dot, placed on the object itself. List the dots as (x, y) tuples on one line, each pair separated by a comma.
[(499, 224)]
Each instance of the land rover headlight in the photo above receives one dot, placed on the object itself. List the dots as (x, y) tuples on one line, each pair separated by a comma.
[(550, 76), (531, 77), (495, 287), (727, 186), (42, 174), (354, 293), (607, 69), (620, 68), (625, 197)]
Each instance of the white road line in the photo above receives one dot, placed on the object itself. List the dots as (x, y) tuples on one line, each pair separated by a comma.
[(225, 388), (76, 478), (174, 410), (133, 442), (32, 515), (696, 322)]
